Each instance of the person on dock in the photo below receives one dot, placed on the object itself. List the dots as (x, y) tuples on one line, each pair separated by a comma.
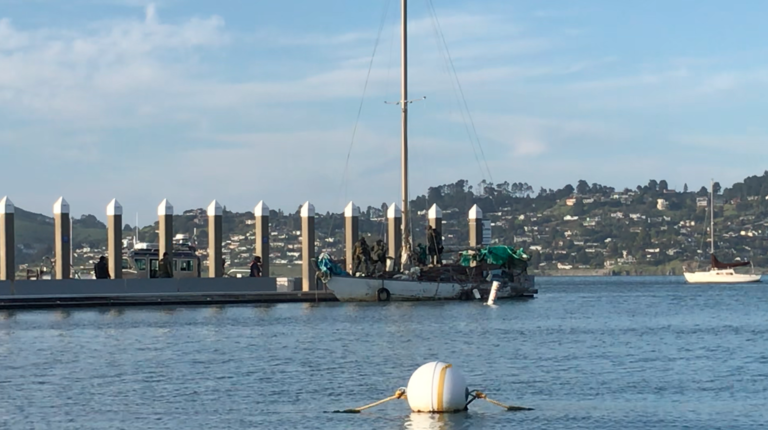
[(100, 269), (256, 269), (361, 256), (379, 256), (164, 269)]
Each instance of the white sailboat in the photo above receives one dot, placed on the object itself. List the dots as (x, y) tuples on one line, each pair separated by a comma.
[(407, 286), (718, 272)]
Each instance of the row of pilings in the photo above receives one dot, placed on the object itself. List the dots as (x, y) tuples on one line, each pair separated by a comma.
[(114, 212)]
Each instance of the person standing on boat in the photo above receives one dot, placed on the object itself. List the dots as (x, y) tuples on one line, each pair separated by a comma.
[(361, 256), (256, 267), (379, 255), (434, 245), (100, 269), (164, 268)]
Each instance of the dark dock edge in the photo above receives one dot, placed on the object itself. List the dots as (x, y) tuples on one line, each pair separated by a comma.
[(175, 299)]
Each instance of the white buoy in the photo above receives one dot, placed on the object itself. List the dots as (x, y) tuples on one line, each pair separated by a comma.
[(437, 387), (492, 295)]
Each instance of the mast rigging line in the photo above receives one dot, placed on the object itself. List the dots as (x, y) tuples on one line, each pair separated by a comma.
[(433, 12), (446, 68), (362, 98)]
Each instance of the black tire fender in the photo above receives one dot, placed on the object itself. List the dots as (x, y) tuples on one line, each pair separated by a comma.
[(383, 295)]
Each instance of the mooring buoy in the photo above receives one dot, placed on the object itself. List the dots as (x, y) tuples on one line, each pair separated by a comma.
[(437, 387)]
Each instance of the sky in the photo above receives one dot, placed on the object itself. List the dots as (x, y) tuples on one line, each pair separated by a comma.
[(242, 101)]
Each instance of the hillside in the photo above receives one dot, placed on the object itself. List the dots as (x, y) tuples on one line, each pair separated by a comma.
[(649, 229)]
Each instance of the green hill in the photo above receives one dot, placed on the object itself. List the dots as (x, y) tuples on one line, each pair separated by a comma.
[(586, 226)]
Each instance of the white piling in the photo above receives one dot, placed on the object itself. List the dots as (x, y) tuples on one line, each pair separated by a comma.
[(492, 295)]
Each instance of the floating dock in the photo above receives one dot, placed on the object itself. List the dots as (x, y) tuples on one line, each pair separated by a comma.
[(151, 292)]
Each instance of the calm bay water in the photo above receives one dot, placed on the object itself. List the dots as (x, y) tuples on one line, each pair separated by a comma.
[(589, 353)]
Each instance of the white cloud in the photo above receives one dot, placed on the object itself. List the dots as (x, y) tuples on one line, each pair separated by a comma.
[(179, 96)]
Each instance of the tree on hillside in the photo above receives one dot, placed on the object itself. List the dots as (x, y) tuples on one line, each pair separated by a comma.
[(535, 259), (89, 221), (582, 187), (578, 208), (702, 192), (685, 187), (716, 188), (653, 185), (582, 257), (663, 186), (566, 191)]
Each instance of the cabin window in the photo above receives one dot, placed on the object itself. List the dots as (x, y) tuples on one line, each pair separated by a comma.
[(126, 264), (153, 266), (141, 264), (186, 265)]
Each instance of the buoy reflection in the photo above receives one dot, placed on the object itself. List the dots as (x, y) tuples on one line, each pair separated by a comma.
[(422, 421)]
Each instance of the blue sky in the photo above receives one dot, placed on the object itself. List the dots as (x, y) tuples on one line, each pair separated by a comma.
[(257, 99)]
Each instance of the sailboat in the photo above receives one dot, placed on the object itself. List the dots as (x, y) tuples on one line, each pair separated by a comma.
[(719, 272), (450, 283)]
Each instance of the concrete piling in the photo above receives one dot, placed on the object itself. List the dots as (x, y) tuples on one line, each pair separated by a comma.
[(165, 228), (7, 240), (475, 226), (115, 239), (395, 233), (351, 232), (62, 240), (215, 266), (435, 216), (261, 212), (308, 247)]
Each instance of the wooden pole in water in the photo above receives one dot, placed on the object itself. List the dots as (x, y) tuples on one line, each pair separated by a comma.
[(165, 229), (62, 239), (307, 247), (115, 239), (215, 257), (475, 227), (351, 232), (261, 213), (7, 240)]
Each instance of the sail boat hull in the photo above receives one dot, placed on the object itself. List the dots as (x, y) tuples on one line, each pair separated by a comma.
[(718, 276), (359, 289)]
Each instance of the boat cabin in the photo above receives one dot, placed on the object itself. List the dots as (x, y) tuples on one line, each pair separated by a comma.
[(142, 262)]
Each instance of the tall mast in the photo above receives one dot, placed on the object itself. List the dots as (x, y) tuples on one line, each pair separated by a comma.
[(404, 137), (712, 217)]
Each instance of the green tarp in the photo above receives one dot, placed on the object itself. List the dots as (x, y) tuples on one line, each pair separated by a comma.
[(496, 255)]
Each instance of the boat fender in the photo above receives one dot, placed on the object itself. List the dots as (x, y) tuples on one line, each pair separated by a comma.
[(383, 295), (437, 387)]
